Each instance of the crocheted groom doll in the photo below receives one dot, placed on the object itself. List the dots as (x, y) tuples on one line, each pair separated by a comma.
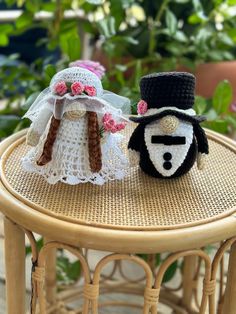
[(169, 137)]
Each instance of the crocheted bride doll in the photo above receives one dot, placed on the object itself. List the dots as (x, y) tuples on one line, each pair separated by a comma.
[(74, 130)]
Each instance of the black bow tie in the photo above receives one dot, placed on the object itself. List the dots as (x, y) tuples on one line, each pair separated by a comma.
[(168, 140)]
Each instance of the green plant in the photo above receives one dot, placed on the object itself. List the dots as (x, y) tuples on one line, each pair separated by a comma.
[(220, 113), (137, 37)]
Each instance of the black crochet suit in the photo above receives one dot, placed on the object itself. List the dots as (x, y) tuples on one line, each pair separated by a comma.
[(172, 89)]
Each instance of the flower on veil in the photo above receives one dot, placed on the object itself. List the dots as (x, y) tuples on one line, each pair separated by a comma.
[(77, 88), (60, 88), (109, 124), (90, 90)]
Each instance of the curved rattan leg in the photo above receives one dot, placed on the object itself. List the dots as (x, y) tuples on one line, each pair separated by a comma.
[(50, 275), (15, 267), (208, 287), (88, 292), (189, 271), (151, 295), (229, 306)]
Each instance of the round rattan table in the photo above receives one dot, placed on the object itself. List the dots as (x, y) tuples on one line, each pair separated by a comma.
[(135, 216)]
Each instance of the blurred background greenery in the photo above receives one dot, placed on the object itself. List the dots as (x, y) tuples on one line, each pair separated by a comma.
[(130, 38)]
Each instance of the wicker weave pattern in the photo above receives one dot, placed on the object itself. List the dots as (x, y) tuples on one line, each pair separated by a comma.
[(139, 201)]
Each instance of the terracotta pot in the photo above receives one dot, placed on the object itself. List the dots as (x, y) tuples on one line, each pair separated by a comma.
[(210, 74)]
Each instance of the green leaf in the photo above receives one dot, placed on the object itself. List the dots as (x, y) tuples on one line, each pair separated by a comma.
[(125, 39), (4, 40), (220, 126), (74, 47), (197, 5), (117, 11), (180, 36), (231, 120), (24, 20), (143, 256), (121, 67), (49, 71), (158, 259), (50, 6), (29, 101), (171, 22), (6, 28), (200, 105), (170, 272), (197, 18), (74, 270), (138, 72), (225, 39), (32, 6), (106, 26), (211, 115), (8, 123), (231, 2), (209, 249), (222, 97), (70, 45)]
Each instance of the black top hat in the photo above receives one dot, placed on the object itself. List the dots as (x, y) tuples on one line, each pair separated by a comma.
[(168, 89)]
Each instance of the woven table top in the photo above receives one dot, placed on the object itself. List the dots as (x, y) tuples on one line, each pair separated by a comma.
[(138, 202)]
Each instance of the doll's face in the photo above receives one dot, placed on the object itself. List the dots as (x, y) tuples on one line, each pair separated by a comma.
[(75, 111), (169, 124)]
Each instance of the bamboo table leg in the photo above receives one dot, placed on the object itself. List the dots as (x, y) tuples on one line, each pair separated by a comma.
[(50, 275), (15, 267), (229, 306), (190, 264)]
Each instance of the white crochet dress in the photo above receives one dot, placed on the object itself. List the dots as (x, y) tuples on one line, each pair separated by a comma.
[(70, 160), (70, 156)]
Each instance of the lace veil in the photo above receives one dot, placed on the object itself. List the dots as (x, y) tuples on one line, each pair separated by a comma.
[(104, 101)]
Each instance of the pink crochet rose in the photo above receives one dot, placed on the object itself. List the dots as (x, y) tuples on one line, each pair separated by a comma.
[(60, 88), (106, 117), (109, 125), (142, 107), (113, 129), (77, 88), (90, 90), (120, 126)]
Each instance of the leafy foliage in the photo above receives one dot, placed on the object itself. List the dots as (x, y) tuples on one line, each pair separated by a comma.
[(218, 110), (161, 36)]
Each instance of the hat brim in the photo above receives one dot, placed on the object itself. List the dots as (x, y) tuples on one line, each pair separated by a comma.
[(157, 116)]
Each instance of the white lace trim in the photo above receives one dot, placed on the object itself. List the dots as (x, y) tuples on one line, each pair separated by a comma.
[(152, 111)]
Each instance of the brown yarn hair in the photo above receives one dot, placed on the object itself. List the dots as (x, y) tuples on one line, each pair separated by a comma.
[(48, 145), (94, 145)]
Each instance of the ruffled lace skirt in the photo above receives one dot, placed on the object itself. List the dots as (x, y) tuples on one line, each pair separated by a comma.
[(70, 160)]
